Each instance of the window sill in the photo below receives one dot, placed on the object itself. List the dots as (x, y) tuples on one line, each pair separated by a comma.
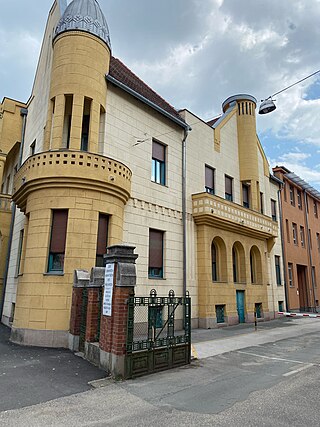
[(156, 278), (161, 185), (54, 273)]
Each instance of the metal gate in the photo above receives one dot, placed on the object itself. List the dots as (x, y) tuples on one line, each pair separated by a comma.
[(159, 333)]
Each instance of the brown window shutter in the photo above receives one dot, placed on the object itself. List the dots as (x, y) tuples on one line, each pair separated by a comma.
[(209, 177), (155, 249), (158, 151), (59, 231), (102, 239), (228, 183)]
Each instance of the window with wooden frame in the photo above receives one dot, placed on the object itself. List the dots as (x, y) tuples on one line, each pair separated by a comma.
[(209, 179), (299, 200), (57, 240), (158, 168), (228, 188), (155, 269), (102, 239)]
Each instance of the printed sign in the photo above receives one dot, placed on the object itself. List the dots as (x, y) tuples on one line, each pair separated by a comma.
[(108, 290)]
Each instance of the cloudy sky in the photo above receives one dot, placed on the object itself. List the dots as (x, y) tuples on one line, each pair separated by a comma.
[(196, 53)]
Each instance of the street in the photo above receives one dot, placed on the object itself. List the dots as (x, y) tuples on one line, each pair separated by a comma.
[(275, 383)]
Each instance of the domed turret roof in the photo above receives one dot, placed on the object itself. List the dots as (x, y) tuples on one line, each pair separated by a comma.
[(84, 15)]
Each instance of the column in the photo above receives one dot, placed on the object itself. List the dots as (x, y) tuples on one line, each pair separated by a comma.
[(94, 127), (76, 122), (58, 119)]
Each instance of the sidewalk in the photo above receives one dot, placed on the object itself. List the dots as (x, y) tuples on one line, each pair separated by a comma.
[(211, 342)]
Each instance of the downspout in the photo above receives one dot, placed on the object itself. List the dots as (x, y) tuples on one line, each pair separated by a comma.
[(284, 262), (309, 252), (184, 209), (23, 113)]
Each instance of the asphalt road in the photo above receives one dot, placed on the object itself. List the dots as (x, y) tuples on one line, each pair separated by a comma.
[(273, 384)]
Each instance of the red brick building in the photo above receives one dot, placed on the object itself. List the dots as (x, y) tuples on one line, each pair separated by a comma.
[(301, 240)]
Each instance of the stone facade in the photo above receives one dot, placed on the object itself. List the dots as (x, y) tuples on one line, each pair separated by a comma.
[(88, 151)]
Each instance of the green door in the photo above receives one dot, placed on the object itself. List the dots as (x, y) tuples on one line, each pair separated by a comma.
[(240, 306)]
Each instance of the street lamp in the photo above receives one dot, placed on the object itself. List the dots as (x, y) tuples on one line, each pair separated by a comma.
[(267, 105)]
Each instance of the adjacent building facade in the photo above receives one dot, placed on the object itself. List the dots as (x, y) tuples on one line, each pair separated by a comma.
[(105, 160), (301, 240)]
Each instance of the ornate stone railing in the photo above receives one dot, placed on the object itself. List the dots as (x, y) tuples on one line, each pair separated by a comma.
[(214, 210), (72, 168)]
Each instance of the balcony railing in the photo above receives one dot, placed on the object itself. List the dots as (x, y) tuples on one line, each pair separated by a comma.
[(54, 168), (214, 210)]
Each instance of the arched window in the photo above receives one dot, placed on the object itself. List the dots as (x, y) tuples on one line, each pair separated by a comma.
[(234, 265), (214, 262), (255, 265)]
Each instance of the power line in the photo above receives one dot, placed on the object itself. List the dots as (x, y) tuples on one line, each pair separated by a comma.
[(305, 78)]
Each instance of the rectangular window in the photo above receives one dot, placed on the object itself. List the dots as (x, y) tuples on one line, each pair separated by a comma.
[(281, 306), (315, 208), (220, 310), (273, 210), (228, 188), (8, 184), (58, 240), (102, 239), (294, 233), (310, 240), (19, 252), (291, 189), (318, 241), (158, 173), (299, 201), (302, 235), (285, 191), (245, 196), (258, 309), (261, 203), (287, 230), (209, 180), (278, 272), (156, 254), (33, 148), (290, 274)]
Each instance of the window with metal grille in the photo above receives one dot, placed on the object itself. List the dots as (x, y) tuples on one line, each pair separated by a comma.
[(156, 254), (220, 313), (228, 188), (158, 169), (102, 239), (58, 240), (258, 309), (278, 271), (209, 180)]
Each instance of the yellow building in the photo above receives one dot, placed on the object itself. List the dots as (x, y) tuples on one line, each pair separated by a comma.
[(105, 160)]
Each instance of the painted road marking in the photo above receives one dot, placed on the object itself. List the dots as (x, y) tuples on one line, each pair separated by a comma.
[(309, 365), (275, 358)]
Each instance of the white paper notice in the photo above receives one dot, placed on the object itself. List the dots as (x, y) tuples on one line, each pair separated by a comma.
[(108, 290)]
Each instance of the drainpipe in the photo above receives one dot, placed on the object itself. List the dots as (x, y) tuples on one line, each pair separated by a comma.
[(184, 208), (284, 262), (23, 113), (309, 251)]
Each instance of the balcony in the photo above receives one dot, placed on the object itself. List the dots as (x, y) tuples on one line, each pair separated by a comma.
[(71, 169), (220, 213)]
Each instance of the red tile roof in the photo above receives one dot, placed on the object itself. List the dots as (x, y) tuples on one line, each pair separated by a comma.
[(212, 122), (125, 76)]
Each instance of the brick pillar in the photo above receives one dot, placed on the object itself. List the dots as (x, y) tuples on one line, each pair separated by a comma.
[(80, 281), (94, 303), (113, 332)]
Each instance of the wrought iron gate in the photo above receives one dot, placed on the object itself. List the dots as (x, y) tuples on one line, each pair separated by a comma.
[(159, 333)]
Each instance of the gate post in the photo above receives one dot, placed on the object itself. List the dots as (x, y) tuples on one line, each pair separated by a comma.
[(113, 329), (94, 304), (80, 281)]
